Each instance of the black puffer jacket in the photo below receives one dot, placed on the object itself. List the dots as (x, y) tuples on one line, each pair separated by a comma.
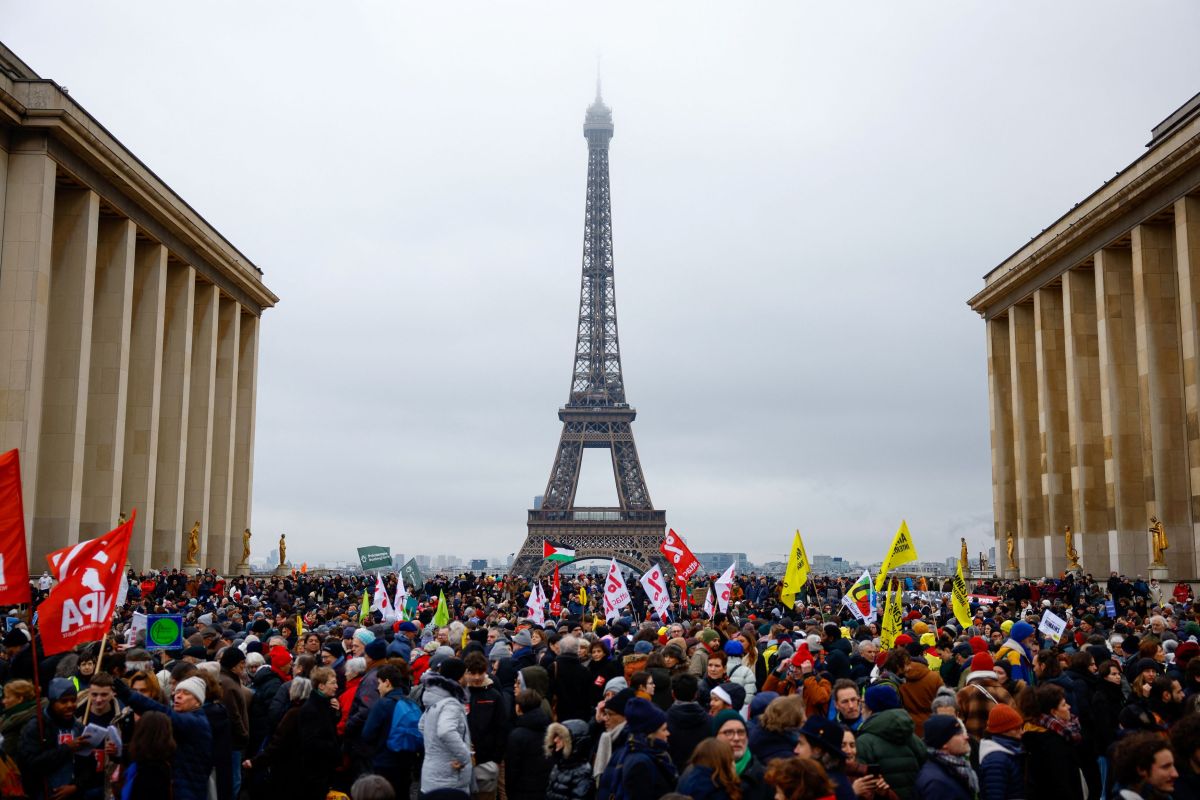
[(571, 773), (689, 725), (571, 684), (526, 767), (265, 684)]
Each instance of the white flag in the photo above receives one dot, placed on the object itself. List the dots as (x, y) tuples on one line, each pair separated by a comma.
[(536, 604), (724, 587), (655, 585), (616, 595), (401, 598), (709, 606), (381, 602)]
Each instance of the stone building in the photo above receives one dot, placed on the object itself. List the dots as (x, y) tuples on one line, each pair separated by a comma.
[(1093, 331), (129, 331)]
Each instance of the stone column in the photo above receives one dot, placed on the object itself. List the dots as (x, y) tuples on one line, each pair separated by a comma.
[(1031, 519), (1187, 256), (1160, 384), (220, 506), (24, 306), (1052, 423), (68, 364), (1120, 410), (197, 482), (173, 416), (1088, 500), (104, 441), (148, 316), (243, 440), (1004, 488)]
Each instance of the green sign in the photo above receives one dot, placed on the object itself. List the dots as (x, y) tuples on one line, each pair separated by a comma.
[(375, 558), (411, 575), (164, 632)]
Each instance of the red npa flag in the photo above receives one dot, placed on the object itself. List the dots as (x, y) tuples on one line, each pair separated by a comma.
[(90, 574), (14, 563), (556, 597), (681, 557)]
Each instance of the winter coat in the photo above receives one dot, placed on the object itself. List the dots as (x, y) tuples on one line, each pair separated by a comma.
[(527, 769), (1001, 769), (447, 736), (917, 692), (265, 684), (377, 728), (769, 745), (366, 696), (754, 784), (1106, 705), (193, 759), (887, 739), (571, 684), (1054, 762), (837, 658), (148, 780), (487, 717), (570, 772), (538, 679), (222, 748), (346, 701), (975, 701), (633, 663), (236, 700), (934, 781), (744, 676), (43, 759), (13, 721), (601, 672), (645, 771), (688, 724), (281, 754), (697, 783), (662, 688), (318, 744)]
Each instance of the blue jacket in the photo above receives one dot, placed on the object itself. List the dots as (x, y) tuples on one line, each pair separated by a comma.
[(697, 783), (933, 781), (193, 745), (377, 728), (1001, 769), (400, 647)]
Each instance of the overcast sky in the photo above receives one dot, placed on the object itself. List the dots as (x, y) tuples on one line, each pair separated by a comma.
[(803, 200)]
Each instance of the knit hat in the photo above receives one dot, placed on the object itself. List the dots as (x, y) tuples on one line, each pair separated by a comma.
[(615, 685), (1003, 719), (523, 639), (939, 728), (231, 657), (920, 628), (982, 666), (193, 686), (735, 692), (618, 702), (978, 644), (1185, 652), (439, 657), (734, 648), (825, 734), (642, 716), (376, 650), (723, 716), (903, 640), (928, 640), (406, 627), (364, 635), (881, 697), (61, 687), (643, 648), (1006, 626), (453, 668), (500, 650), (1021, 631), (279, 658), (708, 636), (802, 655)]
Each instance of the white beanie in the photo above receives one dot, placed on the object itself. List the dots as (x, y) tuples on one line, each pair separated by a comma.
[(193, 686)]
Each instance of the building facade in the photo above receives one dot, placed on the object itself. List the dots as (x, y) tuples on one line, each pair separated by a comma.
[(129, 334), (1093, 331)]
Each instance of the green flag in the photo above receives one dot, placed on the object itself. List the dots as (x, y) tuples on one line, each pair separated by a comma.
[(366, 607), (441, 617)]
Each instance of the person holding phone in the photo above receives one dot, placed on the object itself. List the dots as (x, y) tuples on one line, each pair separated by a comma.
[(866, 779)]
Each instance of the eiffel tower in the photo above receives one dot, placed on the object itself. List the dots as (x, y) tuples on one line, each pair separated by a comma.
[(596, 413)]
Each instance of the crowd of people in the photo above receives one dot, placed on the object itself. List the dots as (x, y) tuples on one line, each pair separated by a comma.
[(284, 689)]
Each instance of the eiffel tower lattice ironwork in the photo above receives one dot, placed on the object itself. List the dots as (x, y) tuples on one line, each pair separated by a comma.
[(596, 414)]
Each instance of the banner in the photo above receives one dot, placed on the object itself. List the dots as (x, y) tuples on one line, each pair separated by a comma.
[(400, 603), (164, 632), (892, 616), (14, 563), (902, 551), (382, 602), (536, 605), (686, 565), (556, 595), (91, 574), (375, 558), (1052, 625), (655, 584), (441, 617), (958, 591), (725, 588), (709, 606), (616, 595), (797, 572), (861, 599), (412, 575)]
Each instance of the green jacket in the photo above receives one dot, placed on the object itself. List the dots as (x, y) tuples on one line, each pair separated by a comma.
[(886, 739)]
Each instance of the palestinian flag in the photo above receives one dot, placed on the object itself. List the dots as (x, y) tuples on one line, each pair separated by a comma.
[(556, 552)]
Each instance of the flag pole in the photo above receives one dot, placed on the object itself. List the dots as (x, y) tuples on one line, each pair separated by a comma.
[(87, 708)]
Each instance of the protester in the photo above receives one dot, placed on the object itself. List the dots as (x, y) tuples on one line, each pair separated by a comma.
[(947, 774), (887, 739)]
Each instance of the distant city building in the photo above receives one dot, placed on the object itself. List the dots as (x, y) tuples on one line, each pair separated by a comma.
[(719, 562), (398, 560), (479, 564), (422, 562)]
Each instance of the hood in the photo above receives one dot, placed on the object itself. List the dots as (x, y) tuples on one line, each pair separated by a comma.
[(536, 678), (894, 726), (634, 658), (536, 720), (438, 688), (916, 671), (840, 646), (265, 675), (688, 715)]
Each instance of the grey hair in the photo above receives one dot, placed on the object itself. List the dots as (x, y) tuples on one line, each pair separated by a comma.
[(372, 787), (355, 667), (300, 689), (254, 661), (568, 644)]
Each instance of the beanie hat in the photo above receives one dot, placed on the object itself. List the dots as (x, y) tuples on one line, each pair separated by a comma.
[(920, 627), (825, 734), (978, 644), (760, 702), (1185, 652), (903, 640), (881, 697), (619, 701), (642, 716), (734, 648), (723, 716), (523, 639), (453, 668), (61, 687), (939, 728), (1020, 632), (928, 640), (500, 650), (364, 636), (406, 627), (231, 658), (643, 648), (1003, 719), (982, 665), (802, 655), (615, 685), (1006, 626), (193, 686), (376, 650), (439, 657), (736, 694), (279, 658), (708, 636)]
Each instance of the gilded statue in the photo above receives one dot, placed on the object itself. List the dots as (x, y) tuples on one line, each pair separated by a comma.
[(1072, 553), (963, 558), (122, 519), (246, 546), (1012, 551), (1158, 540), (193, 550), (282, 549)]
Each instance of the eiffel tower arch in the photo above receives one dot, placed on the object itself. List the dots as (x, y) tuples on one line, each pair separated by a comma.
[(597, 414)]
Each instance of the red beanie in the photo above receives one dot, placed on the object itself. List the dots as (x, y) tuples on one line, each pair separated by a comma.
[(1004, 719), (903, 640), (280, 658), (983, 662), (978, 644), (802, 655)]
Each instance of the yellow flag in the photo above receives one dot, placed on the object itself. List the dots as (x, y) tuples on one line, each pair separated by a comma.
[(299, 627), (962, 607), (582, 596), (797, 572), (902, 551), (891, 620)]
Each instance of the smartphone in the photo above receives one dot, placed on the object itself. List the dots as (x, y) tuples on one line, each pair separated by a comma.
[(874, 770)]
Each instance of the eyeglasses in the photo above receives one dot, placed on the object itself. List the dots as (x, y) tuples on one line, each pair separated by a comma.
[(735, 733)]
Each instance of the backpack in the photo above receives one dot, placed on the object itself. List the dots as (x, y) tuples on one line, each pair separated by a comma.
[(405, 734)]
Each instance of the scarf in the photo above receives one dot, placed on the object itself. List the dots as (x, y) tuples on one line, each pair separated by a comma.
[(740, 765), (1069, 730), (958, 766)]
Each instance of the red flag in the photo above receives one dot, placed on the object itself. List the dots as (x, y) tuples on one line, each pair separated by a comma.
[(90, 574), (681, 557), (556, 597), (14, 563)]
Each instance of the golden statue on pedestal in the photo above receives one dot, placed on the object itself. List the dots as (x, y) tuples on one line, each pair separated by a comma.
[(193, 544), (246, 546), (1012, 551), (282, 549), (963, 558), (1158, 541), (121, 519), (1072, 553)]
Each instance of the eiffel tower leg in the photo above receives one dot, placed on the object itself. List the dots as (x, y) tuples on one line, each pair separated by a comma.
[(564, 475), (631, 483)]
